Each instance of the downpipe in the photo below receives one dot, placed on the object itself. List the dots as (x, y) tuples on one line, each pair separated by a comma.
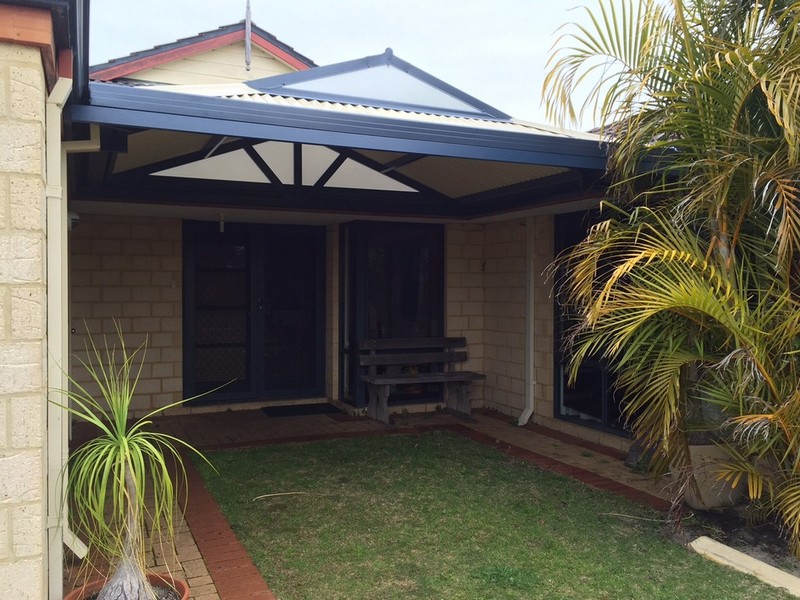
[(530, 311)]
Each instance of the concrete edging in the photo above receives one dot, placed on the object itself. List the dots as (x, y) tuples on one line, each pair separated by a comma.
[(725, 555)]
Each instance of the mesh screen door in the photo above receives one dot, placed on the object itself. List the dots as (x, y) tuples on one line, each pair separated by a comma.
[(253, 306)]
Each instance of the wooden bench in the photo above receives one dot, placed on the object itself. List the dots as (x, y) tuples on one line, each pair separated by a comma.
[(410, 361)]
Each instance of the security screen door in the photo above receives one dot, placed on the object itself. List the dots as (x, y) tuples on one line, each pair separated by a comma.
[(253, 311)]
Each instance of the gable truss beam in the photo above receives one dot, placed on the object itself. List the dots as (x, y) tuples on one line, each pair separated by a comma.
[(399, 177), (247, 195), (330, 171), (400, 162), (265, 168)]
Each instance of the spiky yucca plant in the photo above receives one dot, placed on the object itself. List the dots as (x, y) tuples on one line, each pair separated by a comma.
[(123, 479)]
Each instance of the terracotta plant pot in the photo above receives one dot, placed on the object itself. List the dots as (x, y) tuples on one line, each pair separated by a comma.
[(156, 579)]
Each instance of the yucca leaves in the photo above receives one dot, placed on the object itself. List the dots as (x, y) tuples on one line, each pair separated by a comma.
[(122, 481)]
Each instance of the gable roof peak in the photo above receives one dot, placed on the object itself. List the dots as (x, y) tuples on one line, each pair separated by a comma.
[(397, 84), (205, 40)]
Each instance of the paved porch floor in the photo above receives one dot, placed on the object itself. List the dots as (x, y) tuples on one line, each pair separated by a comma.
[(217, 567)]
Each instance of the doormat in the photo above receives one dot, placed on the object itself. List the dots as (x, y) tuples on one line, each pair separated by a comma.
[(300, 410)]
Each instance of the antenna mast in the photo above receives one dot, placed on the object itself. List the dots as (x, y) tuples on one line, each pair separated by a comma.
[(247, 36)]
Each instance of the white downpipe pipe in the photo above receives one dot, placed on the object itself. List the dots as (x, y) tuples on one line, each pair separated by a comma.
[(530, 341), (57, 351), (57, 257)]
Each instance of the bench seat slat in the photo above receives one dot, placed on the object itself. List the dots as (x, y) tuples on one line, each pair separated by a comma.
[(405, 378), (411, 358), (412, 343)]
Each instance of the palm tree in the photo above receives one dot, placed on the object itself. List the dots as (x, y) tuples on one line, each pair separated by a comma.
[(690, 284)]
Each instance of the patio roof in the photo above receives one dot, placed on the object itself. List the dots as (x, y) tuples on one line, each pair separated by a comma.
[(298, 141)]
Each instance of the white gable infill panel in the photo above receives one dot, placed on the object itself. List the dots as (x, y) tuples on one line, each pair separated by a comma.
[(237, 165)]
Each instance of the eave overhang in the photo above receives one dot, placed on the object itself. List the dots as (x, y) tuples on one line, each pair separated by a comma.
[(138, 107)]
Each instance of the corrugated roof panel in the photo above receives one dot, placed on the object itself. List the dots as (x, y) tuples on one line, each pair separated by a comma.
[(241, 91), (516, 126), (464, 177)]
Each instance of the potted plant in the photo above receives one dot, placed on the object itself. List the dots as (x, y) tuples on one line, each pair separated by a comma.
[(123, 479)]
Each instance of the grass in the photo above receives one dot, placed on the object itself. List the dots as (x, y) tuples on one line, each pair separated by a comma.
[(436, 516)]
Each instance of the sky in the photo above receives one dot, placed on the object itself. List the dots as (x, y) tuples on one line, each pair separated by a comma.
[(495, 50)]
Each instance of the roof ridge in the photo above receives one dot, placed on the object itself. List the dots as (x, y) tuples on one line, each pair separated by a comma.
[(210, 34)]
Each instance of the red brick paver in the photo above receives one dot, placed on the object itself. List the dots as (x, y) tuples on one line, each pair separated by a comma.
[(232, 571)]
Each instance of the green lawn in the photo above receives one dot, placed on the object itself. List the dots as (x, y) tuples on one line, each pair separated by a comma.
[(436, 516)]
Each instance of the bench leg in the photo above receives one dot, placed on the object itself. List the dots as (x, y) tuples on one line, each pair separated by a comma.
[(378, 405), (458, 398)]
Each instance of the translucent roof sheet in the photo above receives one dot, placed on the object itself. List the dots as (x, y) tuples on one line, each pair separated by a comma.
[(382, 85)]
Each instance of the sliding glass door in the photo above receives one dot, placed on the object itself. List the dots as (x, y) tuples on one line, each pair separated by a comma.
[(591, 400)]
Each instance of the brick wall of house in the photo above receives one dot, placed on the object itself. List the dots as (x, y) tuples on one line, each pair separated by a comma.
[(505, 289), (22, 323), (464, 294), (129, 269), (542, 247)]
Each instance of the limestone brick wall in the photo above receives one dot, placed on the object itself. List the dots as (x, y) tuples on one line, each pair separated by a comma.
[(543, 311), (22, 323), (129, 269), (464, 294), (505, 289)]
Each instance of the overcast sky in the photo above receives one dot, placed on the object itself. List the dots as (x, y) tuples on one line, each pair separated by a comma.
[(495, 50)]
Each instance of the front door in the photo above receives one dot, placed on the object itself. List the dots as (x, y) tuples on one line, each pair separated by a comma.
[(393, 288), (253, 311)]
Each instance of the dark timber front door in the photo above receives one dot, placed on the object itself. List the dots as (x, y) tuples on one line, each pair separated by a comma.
[(253, 311), (393, 287)]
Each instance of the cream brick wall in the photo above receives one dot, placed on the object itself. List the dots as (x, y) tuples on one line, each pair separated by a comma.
[(505, 289), (464, 295), (129, 269), (22, 323)]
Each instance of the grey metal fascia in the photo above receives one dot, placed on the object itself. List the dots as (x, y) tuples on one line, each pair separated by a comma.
[(139, 107)]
